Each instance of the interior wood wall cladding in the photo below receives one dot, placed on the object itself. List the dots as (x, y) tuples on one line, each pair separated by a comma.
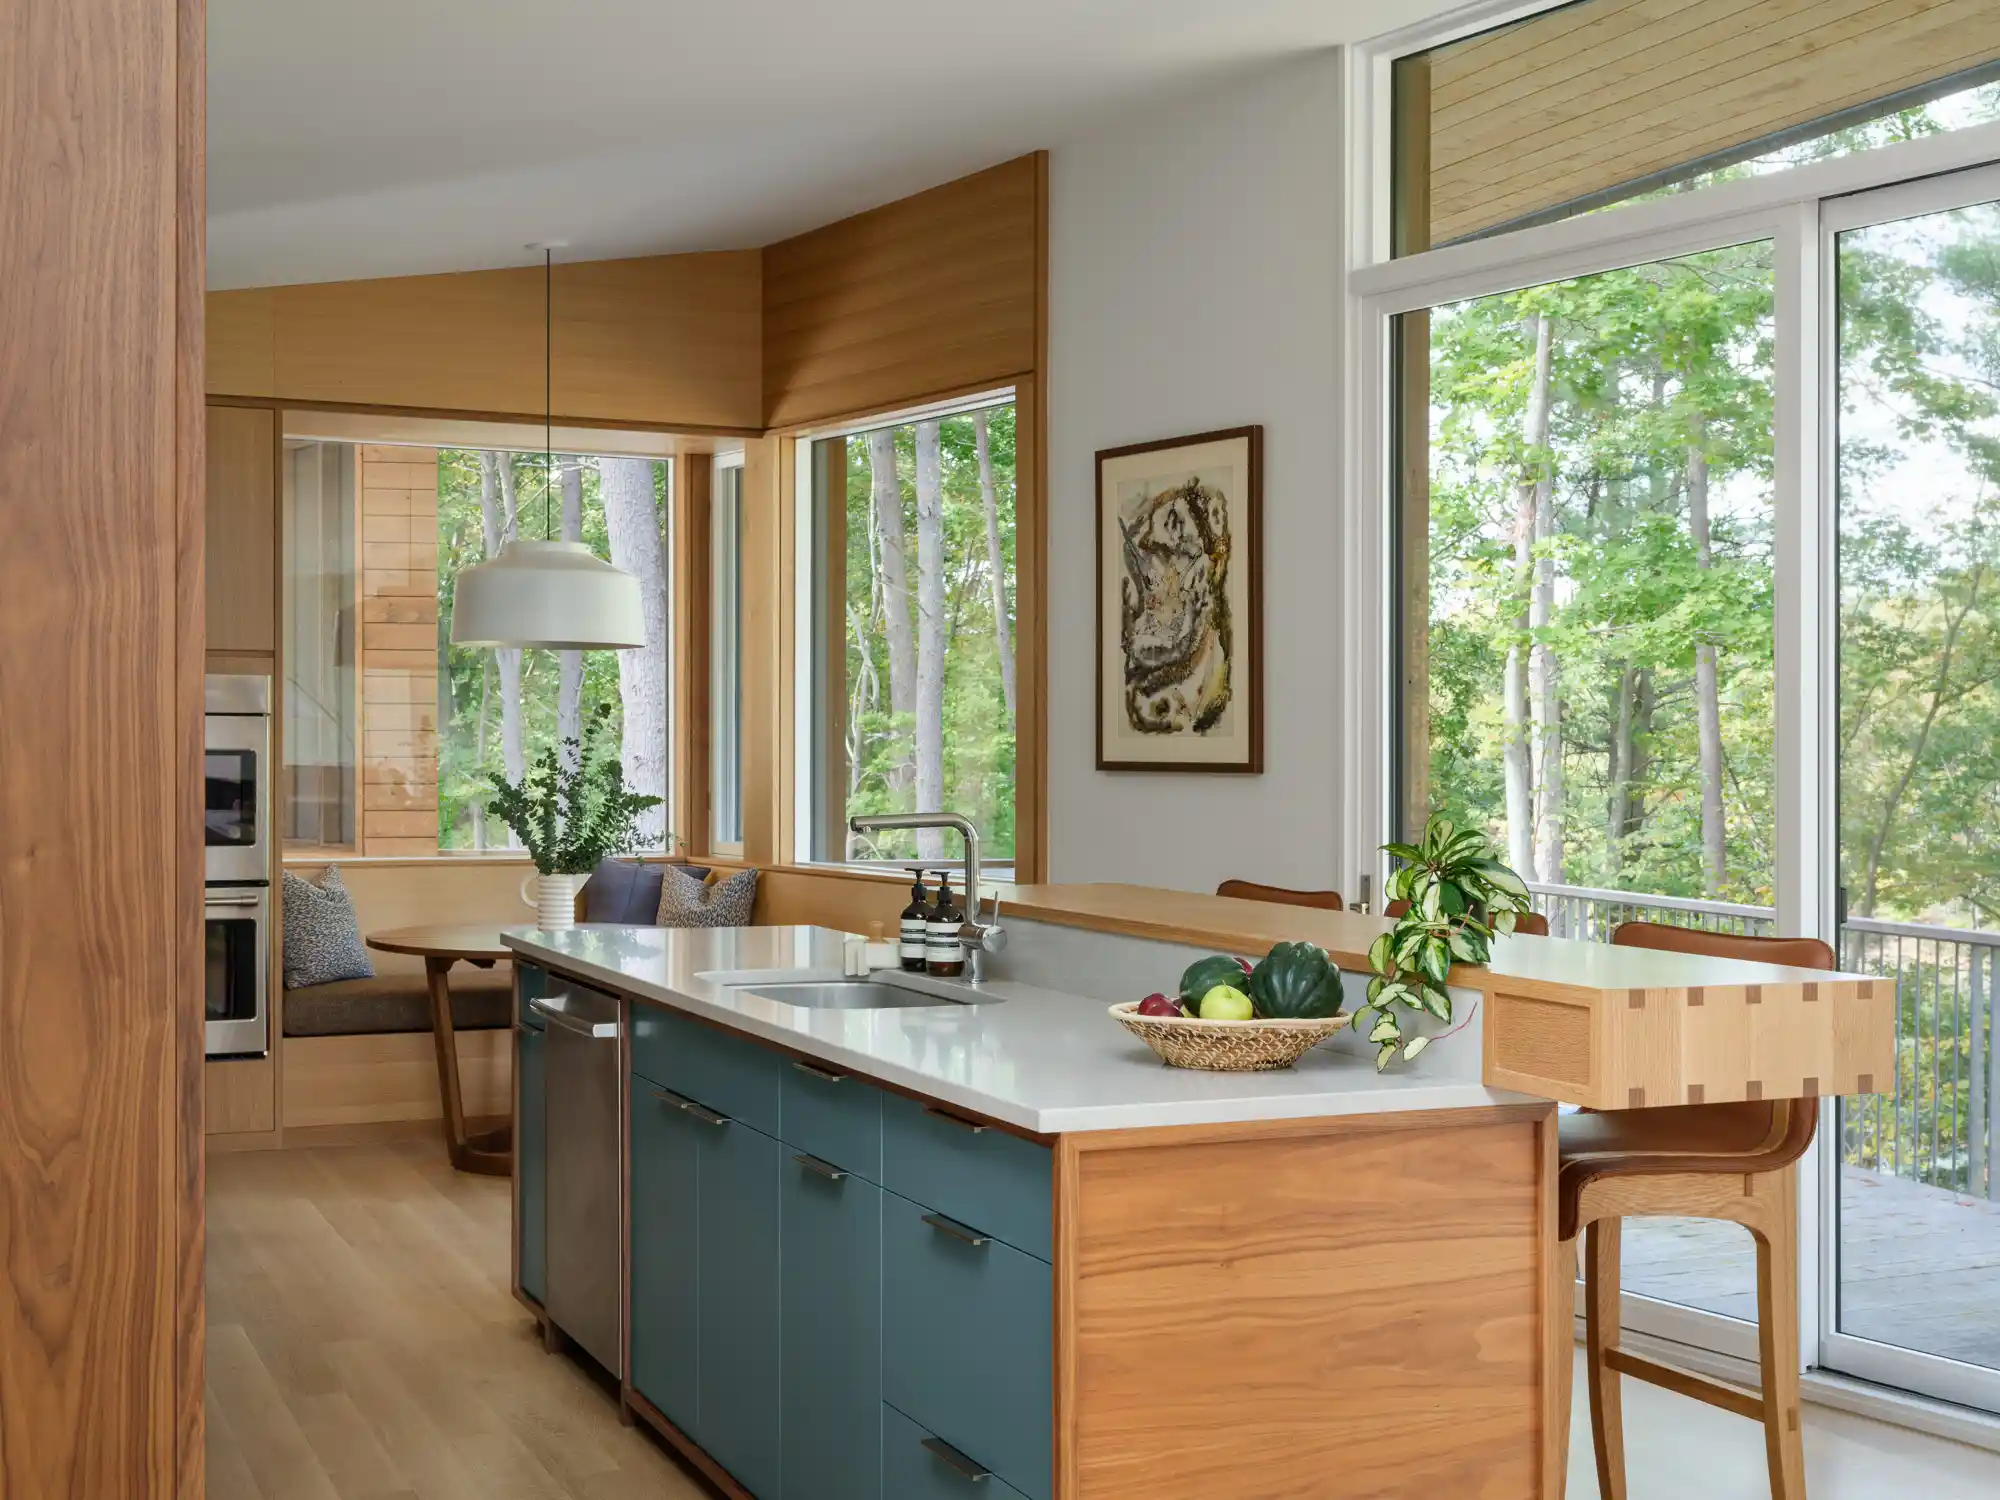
[(399, 650), (930, 295), (365, 1080), (446, 892), (242, 529), (1588, 97), (1239, 1303), (100, 662), (668, 340), (769, 557)]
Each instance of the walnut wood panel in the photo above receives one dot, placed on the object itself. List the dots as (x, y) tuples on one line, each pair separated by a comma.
[(1589, 97), (929, 295), (242, 529), (241, 1094), (667, 340), (444, 892), (1347, 1310), (360, 1080), (100, 659)]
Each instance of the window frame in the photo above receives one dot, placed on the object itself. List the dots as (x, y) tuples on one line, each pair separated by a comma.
[(722, 760)]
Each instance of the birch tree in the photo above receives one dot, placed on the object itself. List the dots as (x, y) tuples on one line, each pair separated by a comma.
[(569, 664), (886, 489), (930, 790), (632, 519), (1707, 689), (1518, 749), (499, 509), (996, 559)]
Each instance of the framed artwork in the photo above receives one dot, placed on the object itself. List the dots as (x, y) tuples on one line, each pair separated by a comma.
[(1180, 609)]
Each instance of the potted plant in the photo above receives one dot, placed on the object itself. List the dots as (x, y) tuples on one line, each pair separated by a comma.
[(570, 817), (1459, 895)]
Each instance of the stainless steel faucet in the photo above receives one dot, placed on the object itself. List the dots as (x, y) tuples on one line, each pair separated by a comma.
[(977, 938)]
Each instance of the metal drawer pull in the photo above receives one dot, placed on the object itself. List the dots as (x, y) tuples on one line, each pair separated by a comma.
[(955, 1229), (825, 1075), (825, 1169), (689, 1107), (959, 1120), (967, 1468)]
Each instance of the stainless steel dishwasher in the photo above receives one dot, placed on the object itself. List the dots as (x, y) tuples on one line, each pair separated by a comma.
[(583, 1177)]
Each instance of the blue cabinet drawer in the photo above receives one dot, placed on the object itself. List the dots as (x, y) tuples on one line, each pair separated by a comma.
[(531, 1163), (832, 1332), (665, 1293), (996, 1182), (834, 1116), (967, 1342), (531, 981), (731, 1076), (918, 1465)]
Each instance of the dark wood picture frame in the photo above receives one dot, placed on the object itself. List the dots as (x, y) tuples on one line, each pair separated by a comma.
[(1247, 671)]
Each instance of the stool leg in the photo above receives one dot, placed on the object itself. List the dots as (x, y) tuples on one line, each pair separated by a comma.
[(1778, 1333), (1602, 1320)]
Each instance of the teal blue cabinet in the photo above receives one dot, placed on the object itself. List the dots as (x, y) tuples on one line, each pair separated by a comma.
[(832, 1315), (972, 1172), (531, 1144), (665, 1293), (967, 1341), (738, 1357), (727, 1073), (919, 1465), (834, 1116)]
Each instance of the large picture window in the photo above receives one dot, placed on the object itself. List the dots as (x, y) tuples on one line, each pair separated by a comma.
[(914, 684), (390, 731)]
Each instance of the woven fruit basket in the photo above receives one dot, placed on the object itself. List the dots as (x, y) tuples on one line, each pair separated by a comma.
[(1226, 1046)]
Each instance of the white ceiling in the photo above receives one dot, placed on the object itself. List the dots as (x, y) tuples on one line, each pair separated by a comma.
[(351, 138)]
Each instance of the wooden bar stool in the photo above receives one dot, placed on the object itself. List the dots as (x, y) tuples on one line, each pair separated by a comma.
[(1702, 1161), (1249, 890)]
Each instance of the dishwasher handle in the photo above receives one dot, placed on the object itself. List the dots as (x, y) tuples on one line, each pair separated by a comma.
[(595, 1030)]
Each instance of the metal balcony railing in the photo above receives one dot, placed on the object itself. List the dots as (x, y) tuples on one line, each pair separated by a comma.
[(1941, 1124)]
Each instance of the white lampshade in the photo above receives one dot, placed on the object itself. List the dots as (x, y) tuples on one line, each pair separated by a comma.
[(556, 596)]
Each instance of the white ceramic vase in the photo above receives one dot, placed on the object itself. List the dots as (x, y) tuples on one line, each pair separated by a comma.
[(554, 899)]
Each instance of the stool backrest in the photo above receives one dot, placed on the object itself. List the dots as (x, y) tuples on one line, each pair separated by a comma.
[(1797, 953), (1249, 890), (1527, 923)]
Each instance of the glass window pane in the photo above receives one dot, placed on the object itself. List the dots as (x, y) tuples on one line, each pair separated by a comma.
[(914, 662), (320, 792), (726, 658), (1586, 642)]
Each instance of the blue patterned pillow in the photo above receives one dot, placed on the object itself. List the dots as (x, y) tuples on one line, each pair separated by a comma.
[(322, 940), (687, 902)]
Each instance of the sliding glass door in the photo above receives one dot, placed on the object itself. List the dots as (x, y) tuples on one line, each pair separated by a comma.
[(1912, 1203)]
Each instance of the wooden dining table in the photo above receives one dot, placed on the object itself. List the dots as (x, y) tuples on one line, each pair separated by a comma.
[(491, 1152)]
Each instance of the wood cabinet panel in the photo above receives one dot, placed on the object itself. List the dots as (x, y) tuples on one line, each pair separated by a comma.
[(241, 1093), (242, 529)]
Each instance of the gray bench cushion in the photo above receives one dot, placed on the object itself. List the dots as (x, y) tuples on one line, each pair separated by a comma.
[(481, 999)]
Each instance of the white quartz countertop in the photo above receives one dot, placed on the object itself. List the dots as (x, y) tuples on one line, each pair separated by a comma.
[(1034, 1058)]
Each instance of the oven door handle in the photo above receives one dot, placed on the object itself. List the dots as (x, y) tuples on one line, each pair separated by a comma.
[(233, 900)]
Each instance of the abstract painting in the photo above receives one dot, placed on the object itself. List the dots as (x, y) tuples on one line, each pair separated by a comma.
[(1179, 604)]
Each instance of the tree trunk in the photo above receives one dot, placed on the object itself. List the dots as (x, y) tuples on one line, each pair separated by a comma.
[(569, 664), (1515, 749), (1707, 690), (479, 748), (1003, 635), (930, 636), (497, 507), (1544, 687), (886, 491), (632, 517), (1624, 759)]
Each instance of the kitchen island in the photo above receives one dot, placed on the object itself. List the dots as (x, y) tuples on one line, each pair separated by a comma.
[(997, 1248)]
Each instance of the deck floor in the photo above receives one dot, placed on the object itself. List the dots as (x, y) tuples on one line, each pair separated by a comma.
[(1920, 1266)]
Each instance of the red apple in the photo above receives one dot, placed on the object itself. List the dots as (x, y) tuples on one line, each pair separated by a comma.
[(1159, 1005)]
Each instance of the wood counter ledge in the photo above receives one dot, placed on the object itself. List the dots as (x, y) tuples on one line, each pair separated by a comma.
[(1586, 1023)]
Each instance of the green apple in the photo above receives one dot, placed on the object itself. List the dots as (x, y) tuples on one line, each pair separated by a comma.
[(1225, 1002)]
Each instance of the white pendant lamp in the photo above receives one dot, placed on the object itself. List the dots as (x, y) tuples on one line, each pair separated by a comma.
[(549, 595)]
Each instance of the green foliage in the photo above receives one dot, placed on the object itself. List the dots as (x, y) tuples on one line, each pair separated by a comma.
[(1460, 894), (572, 812)]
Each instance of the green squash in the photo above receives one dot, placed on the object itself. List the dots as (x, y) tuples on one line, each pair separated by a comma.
[(1204, 974), (1295, 982)]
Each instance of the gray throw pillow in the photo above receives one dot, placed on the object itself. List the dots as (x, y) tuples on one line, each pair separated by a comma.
[(686, 902), (322, 941)]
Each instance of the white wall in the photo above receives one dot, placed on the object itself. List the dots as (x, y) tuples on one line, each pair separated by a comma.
[(1193, 285)]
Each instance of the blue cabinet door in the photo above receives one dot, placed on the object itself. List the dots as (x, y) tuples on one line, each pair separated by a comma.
[(531, 1163), (666, 1286), (739, 1355), (917, 1465), (832, 1336)]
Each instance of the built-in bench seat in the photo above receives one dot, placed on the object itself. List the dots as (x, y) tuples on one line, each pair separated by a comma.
[(481, 1000)]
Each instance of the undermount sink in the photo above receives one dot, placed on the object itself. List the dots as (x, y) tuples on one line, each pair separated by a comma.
[(893, 992)]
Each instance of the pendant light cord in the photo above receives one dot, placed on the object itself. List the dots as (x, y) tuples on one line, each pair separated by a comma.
[(549, 391)]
